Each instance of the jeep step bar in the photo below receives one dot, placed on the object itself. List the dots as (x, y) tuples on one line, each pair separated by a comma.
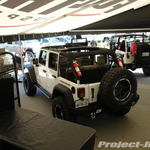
[(48, 95)]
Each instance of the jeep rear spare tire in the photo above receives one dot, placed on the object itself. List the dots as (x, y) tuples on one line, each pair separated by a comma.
[(29, 87), (118, 88)]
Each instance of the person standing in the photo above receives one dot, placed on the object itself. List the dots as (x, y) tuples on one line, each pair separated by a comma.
[(94, 42), (18, 58)]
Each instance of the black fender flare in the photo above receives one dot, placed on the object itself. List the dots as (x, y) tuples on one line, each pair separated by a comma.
[(31, 71), (60, 89)]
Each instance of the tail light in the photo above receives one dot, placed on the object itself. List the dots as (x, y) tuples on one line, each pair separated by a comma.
[(81, 92)]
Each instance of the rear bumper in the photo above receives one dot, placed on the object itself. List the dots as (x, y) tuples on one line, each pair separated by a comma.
[(96, 108)]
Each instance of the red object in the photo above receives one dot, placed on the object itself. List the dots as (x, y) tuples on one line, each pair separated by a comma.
[(120, 63), (56, 62), (81, 92), (77, 69), (133, 48), (119, 47)]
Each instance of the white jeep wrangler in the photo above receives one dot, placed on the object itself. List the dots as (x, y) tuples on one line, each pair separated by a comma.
[(134, 50), (81, 82)]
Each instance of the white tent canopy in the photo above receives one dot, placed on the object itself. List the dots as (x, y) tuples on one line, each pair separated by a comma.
[(44, 18)]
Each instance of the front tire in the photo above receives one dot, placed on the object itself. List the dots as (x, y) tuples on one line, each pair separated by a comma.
[(29, 87), (60, 110)]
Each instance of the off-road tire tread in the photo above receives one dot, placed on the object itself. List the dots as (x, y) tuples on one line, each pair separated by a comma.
[(60, 100), (105, 84), (31, 88)]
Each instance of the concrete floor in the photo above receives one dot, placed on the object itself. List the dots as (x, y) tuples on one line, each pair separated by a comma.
[(133, 127)]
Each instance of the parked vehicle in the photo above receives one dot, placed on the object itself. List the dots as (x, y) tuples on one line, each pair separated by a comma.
[(134, 50), (81, 82), (51, 42), (13, 46)]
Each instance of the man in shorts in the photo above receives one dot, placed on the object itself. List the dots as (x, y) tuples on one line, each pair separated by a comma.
[(18, 58)]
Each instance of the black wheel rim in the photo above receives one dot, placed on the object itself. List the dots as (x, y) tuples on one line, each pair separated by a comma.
[(122, 89), (58, 112)]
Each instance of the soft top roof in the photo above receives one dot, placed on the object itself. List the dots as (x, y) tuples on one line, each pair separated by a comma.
[(95, 51), (67, 52), (74, 48)]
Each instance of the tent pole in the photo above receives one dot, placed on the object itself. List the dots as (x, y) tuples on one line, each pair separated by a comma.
[(22, 64), (63, 38)]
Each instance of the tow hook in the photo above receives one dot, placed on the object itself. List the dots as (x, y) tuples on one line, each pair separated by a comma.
[(93, 115)]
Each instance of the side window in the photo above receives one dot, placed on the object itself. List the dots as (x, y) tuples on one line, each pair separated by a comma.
[(101, 59), (53, 60), (96, 58), (42, 59)]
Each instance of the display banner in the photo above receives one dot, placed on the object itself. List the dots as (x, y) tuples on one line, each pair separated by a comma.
[(42, 16)]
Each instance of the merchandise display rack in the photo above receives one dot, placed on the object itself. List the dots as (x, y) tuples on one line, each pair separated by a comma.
[(8, 70)]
